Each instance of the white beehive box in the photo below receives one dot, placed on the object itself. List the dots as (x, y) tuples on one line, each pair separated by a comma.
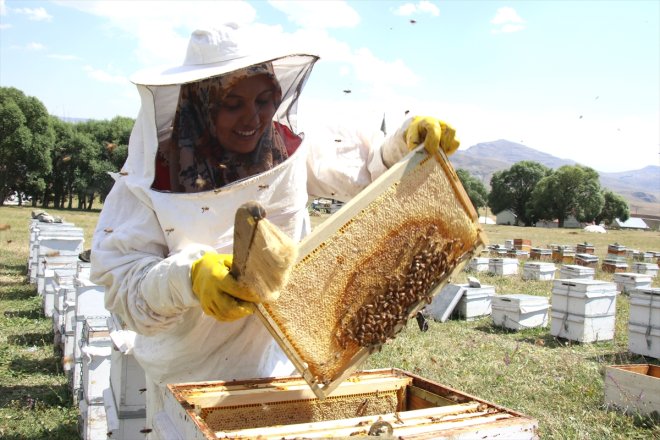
[(47, 266), (503, 266), (584, 297), (475, 302), (583, 310), (520, 311), (92, 423), (644, 340), (645, 307), (479, 264), (614, 265), (127, 379), (125, 427), (582, 328), (650, 269), (575, 271), (538, 271), (96, 348), (627, 282), (635, 389)]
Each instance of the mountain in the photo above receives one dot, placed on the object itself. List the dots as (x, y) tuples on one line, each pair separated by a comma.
[(640, 188)]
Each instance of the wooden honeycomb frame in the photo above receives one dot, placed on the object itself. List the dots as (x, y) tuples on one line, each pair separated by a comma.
[(341, 302)]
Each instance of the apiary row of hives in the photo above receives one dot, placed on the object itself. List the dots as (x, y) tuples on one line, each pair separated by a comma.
[(103, 380)]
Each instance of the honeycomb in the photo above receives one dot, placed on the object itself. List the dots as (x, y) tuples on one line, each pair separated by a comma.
[(371, 266)]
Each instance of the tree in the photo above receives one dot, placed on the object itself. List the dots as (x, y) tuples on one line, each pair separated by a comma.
[(615, 207), (570, 190), (512, 189), (475, 190), (26, 137)]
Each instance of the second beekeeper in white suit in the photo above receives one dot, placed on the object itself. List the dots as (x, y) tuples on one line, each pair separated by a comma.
[(212, 134)]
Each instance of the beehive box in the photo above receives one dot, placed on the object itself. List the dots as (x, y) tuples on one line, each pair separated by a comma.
[(635, 388), (563, 254), (645, 307), (520, 311), (517, 253), (479, 264), (503, 266), (587, 260), (372, 266), (584, 297), (627, 282), (522, 244), (540, 254), (585, 248), (616, 249), (645, 268), (576, 271), (538, 271), (613, 265), (644, 340), (581, 328), (388, 401), (475, 302)]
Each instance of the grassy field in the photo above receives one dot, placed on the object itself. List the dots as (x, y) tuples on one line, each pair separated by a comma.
[(557, 382)]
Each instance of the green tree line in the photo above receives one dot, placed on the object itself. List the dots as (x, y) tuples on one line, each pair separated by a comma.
[(535, 192), (53, 162)]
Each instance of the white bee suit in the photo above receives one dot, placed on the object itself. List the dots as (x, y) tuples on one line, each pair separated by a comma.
[(146, 241)]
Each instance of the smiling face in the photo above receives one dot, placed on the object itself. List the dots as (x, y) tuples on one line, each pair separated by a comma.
[(245, 113)]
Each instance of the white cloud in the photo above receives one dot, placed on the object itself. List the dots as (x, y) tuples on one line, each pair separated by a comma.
[(421, 7), (507, 20), (36, 14), (105, 77), (34, 46), (318, 14), (57, 56)]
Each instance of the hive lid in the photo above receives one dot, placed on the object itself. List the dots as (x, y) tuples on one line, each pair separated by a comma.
[(520, 301), (371, 266)]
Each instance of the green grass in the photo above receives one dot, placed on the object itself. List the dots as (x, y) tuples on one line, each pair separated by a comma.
[(557, 382)]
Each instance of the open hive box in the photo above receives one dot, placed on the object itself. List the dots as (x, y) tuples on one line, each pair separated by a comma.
[(372, 266), (387, 402)]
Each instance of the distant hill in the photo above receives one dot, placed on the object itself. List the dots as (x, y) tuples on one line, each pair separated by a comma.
[(640, 188)]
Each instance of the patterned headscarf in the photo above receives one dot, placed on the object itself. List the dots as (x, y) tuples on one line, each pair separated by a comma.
[(196, 160)]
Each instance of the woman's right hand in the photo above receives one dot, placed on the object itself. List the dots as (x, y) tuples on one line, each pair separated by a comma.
[(218, 291)]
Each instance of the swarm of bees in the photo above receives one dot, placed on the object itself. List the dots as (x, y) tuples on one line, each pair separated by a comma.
[(387, 313)]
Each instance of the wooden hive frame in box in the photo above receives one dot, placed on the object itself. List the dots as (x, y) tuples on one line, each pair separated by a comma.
[(371, 266)]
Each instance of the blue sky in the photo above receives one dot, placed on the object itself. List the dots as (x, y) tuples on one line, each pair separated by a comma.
[(577, 79)]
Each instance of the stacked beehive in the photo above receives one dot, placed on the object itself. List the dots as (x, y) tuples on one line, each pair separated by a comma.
[(644, 322), (583, 310)]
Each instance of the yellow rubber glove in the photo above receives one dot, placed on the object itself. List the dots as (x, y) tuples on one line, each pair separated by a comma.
[(435, 134), (218, 291)]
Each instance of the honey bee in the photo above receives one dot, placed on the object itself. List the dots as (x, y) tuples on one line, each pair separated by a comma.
[(108, 230), (123, 173), (205, 208), (263, 187), (168, 230)]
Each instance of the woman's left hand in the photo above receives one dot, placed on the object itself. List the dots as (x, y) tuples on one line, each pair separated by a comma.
[(434, 133)]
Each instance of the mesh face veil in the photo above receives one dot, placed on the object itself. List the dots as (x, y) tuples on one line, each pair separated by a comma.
[(189, 156)]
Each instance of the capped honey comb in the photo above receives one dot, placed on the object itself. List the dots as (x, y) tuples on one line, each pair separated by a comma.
[(371, 266)]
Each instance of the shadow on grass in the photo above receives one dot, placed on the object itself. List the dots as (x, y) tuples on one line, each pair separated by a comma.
[(35, 313), (50, 365), (537, 336), (32, 339), (63, 431), (28, 397), (18, 292), (623, 357)]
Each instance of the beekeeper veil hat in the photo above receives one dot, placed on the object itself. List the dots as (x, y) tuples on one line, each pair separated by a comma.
[(210, 53)]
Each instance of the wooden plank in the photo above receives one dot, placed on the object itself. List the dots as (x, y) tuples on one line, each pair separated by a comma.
[(284, 393)]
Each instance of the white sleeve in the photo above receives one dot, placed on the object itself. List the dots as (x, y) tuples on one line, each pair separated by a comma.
[(146, 288), (344, 159)]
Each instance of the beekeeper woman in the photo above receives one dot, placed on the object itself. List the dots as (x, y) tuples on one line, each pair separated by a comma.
[(210, 135)]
